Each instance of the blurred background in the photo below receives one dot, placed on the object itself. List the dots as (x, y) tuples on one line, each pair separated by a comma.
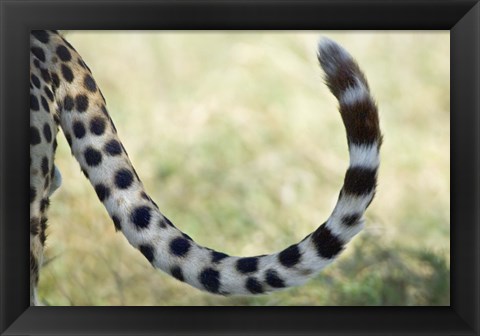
[(239, 142)]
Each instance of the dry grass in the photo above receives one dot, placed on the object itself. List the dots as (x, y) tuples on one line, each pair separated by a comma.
[(239, 142)]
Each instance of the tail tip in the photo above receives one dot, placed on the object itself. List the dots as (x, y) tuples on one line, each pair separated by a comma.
[(325, 44), (331, 55)]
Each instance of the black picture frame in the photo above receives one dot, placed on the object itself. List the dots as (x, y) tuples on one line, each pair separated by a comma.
[(461, 17)]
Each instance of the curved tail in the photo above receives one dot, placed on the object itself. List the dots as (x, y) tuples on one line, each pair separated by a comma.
[(102, 157)]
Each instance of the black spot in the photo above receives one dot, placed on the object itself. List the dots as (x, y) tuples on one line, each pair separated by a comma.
[(326, 243), (47, 183), (40, 35), (360, 181), (47, 132), (210, 279), (34, 136), (63, 53), (361, 120), (36, 63), (117, 223), (81, 102), (45, 166), (147, 251), (92, 156), (68, 103), (48, 93), (140, 216), (177, 273), (350, 220), (179, 246), (217, 256), (78, 129), (35, 81), (67, 73), (254, 286), (34, 103), (43, 228), (97, 125), (39, 53), (273, 279), (45, 104), (290, 256), (89, 83), (247, 265), (55, 80), (44, 203), (34, 225), (113, 147), (33, 193), (102, 191), (123, 178), (46, 75)]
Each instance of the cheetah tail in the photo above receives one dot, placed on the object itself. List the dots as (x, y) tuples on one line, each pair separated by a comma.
[(97, 147)]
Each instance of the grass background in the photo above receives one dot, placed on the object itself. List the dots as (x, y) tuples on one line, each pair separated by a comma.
[(239, 142)]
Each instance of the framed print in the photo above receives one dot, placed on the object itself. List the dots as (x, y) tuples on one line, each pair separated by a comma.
[(226, 118)]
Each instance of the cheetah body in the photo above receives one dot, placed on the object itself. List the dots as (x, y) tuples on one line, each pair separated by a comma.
[(64, 94)]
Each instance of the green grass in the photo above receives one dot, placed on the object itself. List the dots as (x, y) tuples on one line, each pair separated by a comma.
[(238, 140)]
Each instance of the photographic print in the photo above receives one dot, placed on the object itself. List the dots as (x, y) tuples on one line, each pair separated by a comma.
[(241, 164), (185, 128)]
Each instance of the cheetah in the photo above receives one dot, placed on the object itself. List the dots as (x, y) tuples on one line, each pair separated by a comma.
[(63, 93)]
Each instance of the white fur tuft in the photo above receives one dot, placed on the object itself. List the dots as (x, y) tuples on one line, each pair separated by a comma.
[(355, 94), (366, 156)]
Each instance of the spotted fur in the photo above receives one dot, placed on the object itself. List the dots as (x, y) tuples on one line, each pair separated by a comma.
[(63, 93)]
